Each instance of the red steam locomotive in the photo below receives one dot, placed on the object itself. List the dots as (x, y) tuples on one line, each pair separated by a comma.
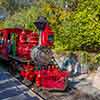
[(30, 56)]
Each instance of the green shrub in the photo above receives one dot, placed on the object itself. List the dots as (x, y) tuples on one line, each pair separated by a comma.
[(75, 30)]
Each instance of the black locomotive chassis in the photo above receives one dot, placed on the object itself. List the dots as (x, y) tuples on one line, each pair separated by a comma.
[(69, 93)]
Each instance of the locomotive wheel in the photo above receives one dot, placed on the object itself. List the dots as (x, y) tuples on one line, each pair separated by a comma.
[(12, 67)]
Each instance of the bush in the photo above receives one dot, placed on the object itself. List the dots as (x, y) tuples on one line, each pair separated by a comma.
[(75, 30)]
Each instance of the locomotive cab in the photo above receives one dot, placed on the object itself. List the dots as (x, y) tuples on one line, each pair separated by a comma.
[(46, 38), (42, 55)]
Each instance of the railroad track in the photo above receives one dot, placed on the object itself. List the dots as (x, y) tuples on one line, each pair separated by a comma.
[(70, 93), (54, 94)]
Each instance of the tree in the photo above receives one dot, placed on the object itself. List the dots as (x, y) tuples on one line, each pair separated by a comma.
[(75, 29)]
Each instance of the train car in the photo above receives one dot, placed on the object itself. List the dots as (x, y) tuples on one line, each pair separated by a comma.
[(30, 56)]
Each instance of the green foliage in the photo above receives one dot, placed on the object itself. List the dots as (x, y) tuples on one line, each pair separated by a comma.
[(24, 19), (1, 24), (97, 58), (75, 30), (86, 19)]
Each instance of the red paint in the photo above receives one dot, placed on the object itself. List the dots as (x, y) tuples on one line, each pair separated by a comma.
[(45, 37), (28, 72)]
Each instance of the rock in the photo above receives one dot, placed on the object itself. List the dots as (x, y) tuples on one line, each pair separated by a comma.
[(22, 2), (96, 80), (3, 13), (84, 68), (91, 76), (82, 76)]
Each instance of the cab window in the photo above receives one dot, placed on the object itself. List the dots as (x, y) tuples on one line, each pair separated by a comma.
[(1, 38), (50, 38)]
